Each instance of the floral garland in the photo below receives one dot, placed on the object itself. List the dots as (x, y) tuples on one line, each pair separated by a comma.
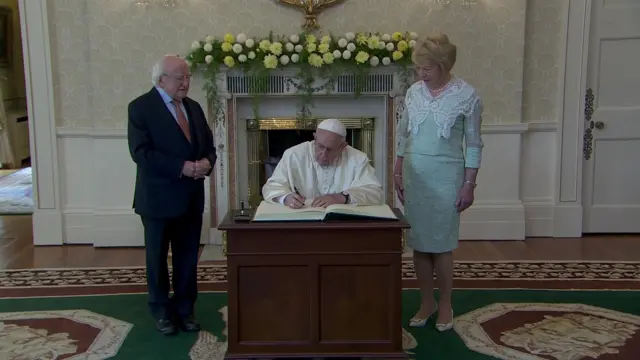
[(324, 58)]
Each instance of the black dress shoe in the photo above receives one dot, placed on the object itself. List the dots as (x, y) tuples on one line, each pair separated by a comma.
[(166, 327), (189, 324)]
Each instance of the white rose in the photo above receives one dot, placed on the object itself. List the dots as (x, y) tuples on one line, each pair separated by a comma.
[(242, 58), (374, 61), (208, 59), (289, 47), (386, 60), (209, 39), (337, 54), (412, 43), (195, 45), (351, 47), (390, 46), (294, 38), (350, 36), (382, 45), (295, 58), (413, 35), (241, 38), (386, 37), (342, 42), (249, 43), (208, 47), (299, 48), (284, 59), (237, 48), (346, 54), (251, 55)]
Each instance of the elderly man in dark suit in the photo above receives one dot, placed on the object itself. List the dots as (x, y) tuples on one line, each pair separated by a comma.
[(172, 146)]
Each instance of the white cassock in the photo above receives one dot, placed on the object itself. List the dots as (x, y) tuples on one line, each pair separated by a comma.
[(299, 170)]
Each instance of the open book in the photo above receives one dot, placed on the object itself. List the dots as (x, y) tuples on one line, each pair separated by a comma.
[(277, 212)]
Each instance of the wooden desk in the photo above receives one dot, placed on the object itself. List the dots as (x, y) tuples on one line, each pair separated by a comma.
[(313, 289)]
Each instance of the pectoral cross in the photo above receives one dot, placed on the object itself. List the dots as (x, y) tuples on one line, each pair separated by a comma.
[(311, 9)]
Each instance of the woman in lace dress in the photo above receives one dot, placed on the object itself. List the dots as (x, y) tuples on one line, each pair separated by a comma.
[(434, 177)]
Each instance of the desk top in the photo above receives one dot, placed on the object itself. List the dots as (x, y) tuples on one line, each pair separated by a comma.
[(228, 223)]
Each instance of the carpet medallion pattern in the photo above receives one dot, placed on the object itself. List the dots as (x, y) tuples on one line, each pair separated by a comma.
[(37, 335), (541, 331), (213, 277)]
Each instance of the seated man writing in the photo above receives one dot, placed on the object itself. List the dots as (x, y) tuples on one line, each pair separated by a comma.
[(326, 170)]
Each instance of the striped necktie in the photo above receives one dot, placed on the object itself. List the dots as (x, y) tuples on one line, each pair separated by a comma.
[(182, 120)]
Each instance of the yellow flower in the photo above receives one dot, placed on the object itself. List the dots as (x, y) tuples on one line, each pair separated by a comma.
[(323, 48), (311, 38), (315, 60), (397, 55), (361, 39), (327, 58), (362, 57), (276, 48), (373, 42), (325, 39), (228, 60), (403, 46), (311, 47), (397, 36), (229, 38), (270, 61), (226, 47), (264, 45)]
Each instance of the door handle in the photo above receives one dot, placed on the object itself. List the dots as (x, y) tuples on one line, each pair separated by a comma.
[(599, 125)]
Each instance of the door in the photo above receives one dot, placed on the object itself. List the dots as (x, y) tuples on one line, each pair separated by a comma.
[(611, 181)]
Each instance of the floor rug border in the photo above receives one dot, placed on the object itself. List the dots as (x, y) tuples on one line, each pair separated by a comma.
[(222, 263)]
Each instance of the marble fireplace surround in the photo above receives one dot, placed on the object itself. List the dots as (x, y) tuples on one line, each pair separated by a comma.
[(230, 183)]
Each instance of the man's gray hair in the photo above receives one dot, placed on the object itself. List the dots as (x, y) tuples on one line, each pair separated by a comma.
[(158, 69)]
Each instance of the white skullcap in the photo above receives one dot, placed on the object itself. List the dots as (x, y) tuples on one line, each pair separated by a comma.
[(334, 126)]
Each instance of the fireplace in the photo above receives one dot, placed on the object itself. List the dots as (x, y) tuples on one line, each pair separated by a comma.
[(242, 142), (267, 139)]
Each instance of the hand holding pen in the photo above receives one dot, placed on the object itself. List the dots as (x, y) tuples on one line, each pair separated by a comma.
[(294, 201)]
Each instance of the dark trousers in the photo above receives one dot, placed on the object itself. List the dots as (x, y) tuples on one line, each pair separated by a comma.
[(183, 234)]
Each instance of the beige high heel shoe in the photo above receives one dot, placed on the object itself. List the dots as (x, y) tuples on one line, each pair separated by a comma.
[(445, 327), (417, 322)]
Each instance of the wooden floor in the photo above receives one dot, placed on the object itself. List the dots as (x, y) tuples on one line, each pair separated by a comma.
[(18, 252)]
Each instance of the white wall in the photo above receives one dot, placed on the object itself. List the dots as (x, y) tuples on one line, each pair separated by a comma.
[(514, 197), (97, 179)]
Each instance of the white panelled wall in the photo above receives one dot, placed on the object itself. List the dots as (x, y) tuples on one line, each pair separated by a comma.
[(514, 197), (83, 179)]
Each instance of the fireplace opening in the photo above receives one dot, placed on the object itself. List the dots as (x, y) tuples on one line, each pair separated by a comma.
[(277, 141), (268, 139)]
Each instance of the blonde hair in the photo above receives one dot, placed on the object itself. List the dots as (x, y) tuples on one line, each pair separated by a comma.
[(437, 50)]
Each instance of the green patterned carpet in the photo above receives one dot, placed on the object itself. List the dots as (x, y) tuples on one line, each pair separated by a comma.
[(602, 325)]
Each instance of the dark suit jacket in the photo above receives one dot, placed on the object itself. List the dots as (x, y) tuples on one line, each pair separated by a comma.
[(159, 148)]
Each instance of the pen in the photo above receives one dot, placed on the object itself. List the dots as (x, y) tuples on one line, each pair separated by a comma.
[(296, 190)]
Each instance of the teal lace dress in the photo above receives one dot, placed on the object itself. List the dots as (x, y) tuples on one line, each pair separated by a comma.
[(438, 137)]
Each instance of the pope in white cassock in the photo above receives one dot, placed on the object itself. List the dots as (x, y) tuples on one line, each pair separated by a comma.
[(327, 171)]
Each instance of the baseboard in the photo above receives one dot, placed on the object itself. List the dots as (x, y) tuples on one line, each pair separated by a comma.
[(117, 227), (539, 215), (567, 221), (47, 227), (493, 221)]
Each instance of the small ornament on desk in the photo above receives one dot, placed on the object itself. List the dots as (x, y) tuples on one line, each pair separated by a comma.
[(243, 215)]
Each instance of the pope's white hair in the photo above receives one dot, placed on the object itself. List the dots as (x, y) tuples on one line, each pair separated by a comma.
[(159, 68)]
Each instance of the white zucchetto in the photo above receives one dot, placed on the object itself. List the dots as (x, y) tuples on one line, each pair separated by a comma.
[(334, 126)]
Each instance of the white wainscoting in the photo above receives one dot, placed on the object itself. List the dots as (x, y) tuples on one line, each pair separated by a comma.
[(97, 179), (514, 198)]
